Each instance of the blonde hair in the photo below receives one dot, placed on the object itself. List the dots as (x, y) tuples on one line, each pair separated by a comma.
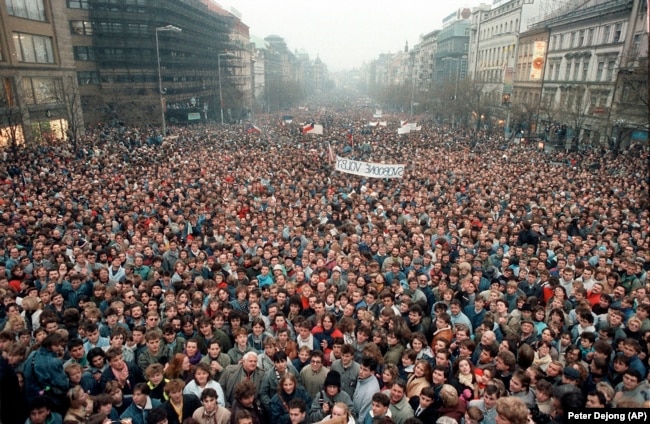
[(449, 395), (513, 409)]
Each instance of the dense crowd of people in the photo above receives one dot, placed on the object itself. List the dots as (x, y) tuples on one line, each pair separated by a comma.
[(226, 276)]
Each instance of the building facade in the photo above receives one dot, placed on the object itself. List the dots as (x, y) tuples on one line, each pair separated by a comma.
[(39, 88), (583, 64)]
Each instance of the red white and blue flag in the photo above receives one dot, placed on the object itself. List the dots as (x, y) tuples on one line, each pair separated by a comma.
[(253, 129), (312, 129)]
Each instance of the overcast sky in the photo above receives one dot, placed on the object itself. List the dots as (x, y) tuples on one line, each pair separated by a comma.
[(345, 33)]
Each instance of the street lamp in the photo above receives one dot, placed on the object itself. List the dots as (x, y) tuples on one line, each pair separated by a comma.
[(170, 28)]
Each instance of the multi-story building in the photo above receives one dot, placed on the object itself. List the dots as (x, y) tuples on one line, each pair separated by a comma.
[(134, 57), (453, 47), (494, 40), (583, 64), (63, 63), (424, 61), (528, 78), (38, 91)]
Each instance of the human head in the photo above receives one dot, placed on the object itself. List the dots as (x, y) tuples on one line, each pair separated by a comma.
[(511, 410)]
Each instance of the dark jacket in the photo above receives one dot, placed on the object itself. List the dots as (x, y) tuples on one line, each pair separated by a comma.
[(257, 413), (428, 415), (279, 411), (190, 404), (135, 377)]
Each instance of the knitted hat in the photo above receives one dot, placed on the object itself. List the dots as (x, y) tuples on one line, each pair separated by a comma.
[(333, 378), (571, 373)]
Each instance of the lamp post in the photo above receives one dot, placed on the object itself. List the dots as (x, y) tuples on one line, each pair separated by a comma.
[(458, 63), (171, 28), (220, 91)]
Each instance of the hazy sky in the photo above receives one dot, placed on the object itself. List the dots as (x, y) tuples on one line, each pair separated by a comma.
[(345, 33)]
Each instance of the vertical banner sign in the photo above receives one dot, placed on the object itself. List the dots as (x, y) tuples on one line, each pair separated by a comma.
[(537, 68)]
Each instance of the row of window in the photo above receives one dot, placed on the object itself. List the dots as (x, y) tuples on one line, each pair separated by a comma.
[(106, 4), (94, 77), (587, 37), (88, 28), (578, 70), (88, 53), (496, 55), (503, 28)]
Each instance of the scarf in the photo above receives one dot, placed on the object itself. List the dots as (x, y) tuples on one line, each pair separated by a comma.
[(466, 379), (121, 376), (196, 358)]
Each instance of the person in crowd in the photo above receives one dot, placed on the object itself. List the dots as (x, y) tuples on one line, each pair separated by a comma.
[(211, 412), (288, 390), (179, 406), (323, 403), (498, 263)]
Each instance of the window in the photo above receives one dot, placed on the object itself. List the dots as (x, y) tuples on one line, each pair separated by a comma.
[(585, 69), (572, 40), (590, 37), (561, 42), (78, 4), (33, 48), (84, 53), (557, 72), (28, 9), (599, 71), (87, 78), (617, 32), (567, 71), (554, 43), (636, 49), (551, 71), (42, 90), (581, 38), (81, 27), (611, 65), (606, 31)]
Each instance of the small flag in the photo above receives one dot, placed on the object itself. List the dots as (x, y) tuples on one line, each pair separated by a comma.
[(253, 129), (330, 152), (312, 129), (308, 128)]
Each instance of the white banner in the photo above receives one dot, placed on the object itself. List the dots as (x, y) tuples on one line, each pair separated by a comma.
[(369, 169)]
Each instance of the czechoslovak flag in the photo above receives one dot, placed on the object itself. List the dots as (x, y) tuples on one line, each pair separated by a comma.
[(312, 129), (253, 129)]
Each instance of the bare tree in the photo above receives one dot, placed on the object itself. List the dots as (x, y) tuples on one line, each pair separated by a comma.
[(523, 113), (71, 100), (574, 108), (629, 111), (11, 127)]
